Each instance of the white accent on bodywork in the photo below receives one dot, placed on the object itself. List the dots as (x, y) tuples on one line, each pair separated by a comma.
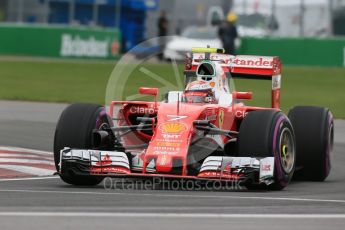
[(218, 164), (96, 156), (244, 162), (174, 96), (276, 82), (214, 162), (176, 117), (266, 167), (225, 99), (137, 163), (151, 165)]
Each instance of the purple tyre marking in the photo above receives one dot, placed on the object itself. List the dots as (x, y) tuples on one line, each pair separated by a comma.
[(99, 118), (280, 175), (329, 145)]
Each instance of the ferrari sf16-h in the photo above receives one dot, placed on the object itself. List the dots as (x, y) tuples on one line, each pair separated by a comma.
[(204, 132)]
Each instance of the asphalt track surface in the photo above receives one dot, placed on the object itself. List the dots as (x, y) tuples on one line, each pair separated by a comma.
[(48, 203)]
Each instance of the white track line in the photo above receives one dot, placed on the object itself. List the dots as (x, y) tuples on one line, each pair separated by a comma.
[(25, 150), (29, 161), (29, 170), (30, 178), (172, 215), (19, 155), (177, 195)]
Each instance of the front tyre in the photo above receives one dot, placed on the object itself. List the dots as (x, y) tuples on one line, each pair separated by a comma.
[(74, 130), (269, 133)]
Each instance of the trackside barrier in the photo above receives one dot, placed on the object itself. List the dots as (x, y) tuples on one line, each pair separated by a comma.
[(298, 51), (84, 42), (59, 41)]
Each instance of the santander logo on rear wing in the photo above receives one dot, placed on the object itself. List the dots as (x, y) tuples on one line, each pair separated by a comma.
[(246, 66), (259, 67), (265, 66)]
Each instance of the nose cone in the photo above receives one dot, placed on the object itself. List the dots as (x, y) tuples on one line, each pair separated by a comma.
[(170, 142), (164, 163)]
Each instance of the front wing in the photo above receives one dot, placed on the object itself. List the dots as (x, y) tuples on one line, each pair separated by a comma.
[(102, 163)]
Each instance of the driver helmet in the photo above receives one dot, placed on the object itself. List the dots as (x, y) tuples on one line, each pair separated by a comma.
[(199, 96), (200, 85)]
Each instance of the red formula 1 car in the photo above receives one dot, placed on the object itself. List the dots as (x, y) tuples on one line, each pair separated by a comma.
[(204, 132)]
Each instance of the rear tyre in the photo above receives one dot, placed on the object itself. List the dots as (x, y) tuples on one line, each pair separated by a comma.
[(74, 130), (314, 130), (269, 133)]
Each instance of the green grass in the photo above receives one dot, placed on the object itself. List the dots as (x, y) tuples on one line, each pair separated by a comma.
[(304, 86), (53, 81), (56, 81)]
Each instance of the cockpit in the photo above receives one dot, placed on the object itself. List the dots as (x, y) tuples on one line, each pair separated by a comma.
[(198, 96)]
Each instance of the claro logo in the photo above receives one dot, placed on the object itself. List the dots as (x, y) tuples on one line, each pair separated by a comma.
[(240, 114), (142, 110)]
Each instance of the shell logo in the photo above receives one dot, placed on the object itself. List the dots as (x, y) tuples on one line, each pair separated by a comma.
[(173, 127)]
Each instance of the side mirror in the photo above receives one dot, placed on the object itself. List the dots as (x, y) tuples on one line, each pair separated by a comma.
[(242, 95), (148, 91)]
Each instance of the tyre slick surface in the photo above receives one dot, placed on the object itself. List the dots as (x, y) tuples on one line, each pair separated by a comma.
[(314, 130), (74, 130), (269, 133)]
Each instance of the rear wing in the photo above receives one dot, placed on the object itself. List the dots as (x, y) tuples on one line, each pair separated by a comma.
[(242, 66), (259, 67)]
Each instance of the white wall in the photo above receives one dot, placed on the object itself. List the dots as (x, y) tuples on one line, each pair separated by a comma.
[(316, 19), (20, 10)]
